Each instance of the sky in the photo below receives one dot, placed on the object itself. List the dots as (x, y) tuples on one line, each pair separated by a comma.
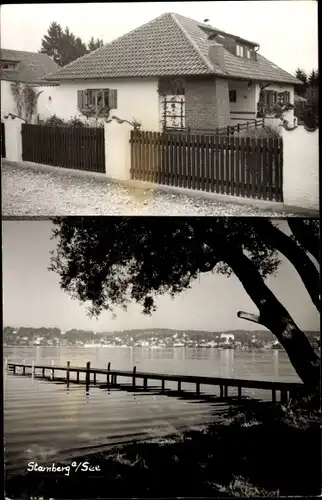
[(32, 295), (287, 31)]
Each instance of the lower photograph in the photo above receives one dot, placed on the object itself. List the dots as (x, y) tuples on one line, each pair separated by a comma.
[(151, 357)]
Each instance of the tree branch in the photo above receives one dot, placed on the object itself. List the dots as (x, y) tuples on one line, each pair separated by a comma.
[(305, 237), (307, 271), (254, 318), (274, 316)]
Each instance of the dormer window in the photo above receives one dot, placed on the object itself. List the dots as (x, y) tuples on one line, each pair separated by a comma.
[(240, 50), (246, 52), (8, 65)]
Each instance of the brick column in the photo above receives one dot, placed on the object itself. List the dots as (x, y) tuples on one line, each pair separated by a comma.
[(207, 103)]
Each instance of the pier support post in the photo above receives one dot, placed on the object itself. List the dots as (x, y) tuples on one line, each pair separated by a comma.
[(273, 396), (77, 377), (179, 385), (52, 374), (94, 378), (198, 388), (67, 372), (283, 396), (88, 372), (133, 378), (32, 368), (226, 391), (239, 392), (43, 372), (162, 385), (14, 369), (108, 374), (24, 370), (145, 383), (221, 391)]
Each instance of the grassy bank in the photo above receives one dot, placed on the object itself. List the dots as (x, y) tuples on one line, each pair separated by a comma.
[(254, 450)]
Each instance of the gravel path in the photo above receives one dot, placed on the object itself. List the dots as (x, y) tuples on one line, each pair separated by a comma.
[(28, 192)]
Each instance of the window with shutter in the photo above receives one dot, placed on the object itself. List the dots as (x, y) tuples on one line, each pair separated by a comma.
[(96, 99)]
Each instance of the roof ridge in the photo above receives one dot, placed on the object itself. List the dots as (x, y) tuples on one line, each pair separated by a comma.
[(194, 45)]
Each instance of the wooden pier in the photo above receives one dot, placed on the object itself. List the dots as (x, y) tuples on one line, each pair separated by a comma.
[(287, 390)]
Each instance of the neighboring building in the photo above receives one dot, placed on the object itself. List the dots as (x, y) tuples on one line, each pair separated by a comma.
[(213, 77), (27, 68), (227, 337)]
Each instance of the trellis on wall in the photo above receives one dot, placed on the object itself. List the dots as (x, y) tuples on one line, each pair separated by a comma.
[(172, 111)]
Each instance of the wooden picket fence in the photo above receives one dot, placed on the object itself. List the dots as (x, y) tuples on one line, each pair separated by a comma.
[(239, 166), (79, 148)]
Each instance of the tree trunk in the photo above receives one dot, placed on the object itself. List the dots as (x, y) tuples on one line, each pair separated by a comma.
[(307, 271), (305, 237), (275, 317)]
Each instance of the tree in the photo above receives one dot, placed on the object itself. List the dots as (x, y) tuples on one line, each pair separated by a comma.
[(301, 75), (61, 45), (94, 44), (111, 262), (51, 43)]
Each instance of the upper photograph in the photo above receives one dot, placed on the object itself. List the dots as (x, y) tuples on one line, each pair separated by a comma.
[(188, 108)]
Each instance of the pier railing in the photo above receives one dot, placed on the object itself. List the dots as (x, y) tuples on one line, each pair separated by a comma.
[(287, 390)]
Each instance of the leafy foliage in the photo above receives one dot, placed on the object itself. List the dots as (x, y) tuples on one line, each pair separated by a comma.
[(110, 263), (55, 121), (64, 47), (26, 98)]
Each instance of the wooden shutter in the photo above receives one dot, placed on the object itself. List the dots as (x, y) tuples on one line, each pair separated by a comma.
[(286, 97), (86, 98), (80, 99), (112, 98), (270, 97), (266, 98)]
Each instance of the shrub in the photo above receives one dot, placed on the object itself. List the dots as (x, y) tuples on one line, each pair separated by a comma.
[(55, 121), (260, 133)]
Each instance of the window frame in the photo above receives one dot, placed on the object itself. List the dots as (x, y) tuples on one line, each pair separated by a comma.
[(239, 50), (11, 65), (90, 99)]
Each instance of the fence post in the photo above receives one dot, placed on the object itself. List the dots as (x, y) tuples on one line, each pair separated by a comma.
[(13, 137), (118, 150), (88, 373), (67, 372)]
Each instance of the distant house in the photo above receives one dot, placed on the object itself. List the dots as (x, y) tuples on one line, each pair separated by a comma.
[(227, 337), (173, 72), (27, 68)]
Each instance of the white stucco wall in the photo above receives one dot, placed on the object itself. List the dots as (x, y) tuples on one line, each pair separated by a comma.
[(301, 167), (136, 98), (44, 105), (13, 139), (245, 101), (46, 101), (8, 104)]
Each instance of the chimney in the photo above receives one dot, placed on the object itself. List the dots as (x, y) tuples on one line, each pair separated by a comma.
[(216, 55)]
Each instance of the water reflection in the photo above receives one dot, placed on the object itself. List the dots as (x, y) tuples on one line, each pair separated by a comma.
[(262, 365), (41, 417)]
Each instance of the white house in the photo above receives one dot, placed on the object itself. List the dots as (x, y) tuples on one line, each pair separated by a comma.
[(227, 337), (173, 72), (27, 68)]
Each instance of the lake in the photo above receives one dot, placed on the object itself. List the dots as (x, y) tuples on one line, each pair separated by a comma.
[(47, 422)]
